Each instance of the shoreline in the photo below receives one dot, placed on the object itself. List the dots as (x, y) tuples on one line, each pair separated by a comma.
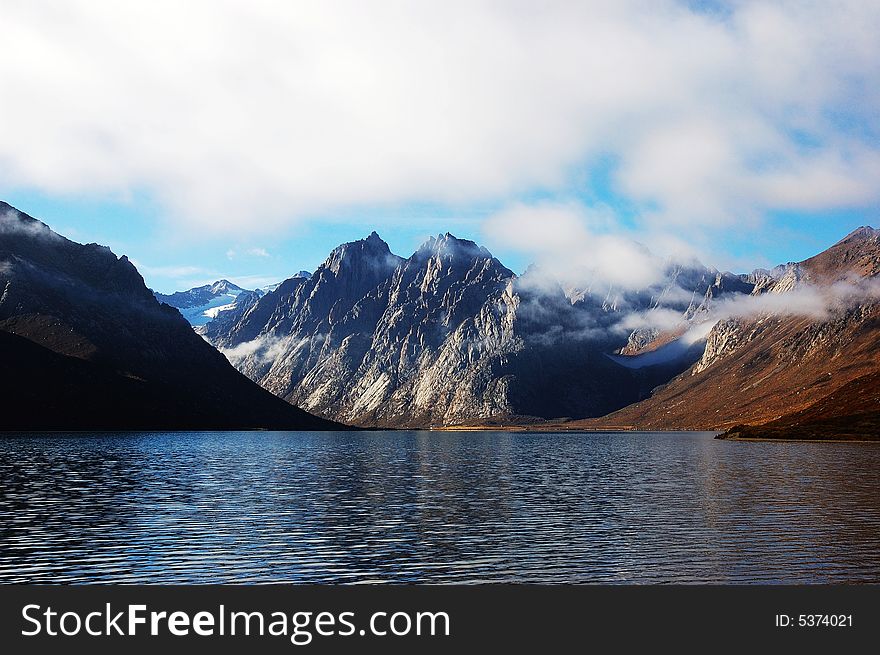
[(731, 434), (796, 440), (554, 429)]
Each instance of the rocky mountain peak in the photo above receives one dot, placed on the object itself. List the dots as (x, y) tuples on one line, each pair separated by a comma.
[(448, 246), (223, 286), (865, 232), (30, 246), (312, 304), (447, 256), (448, 334), (857, 254), (445, 262), (372, 252)]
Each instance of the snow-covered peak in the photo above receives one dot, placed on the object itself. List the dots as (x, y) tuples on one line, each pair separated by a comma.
[(202, 304), (224, 286)]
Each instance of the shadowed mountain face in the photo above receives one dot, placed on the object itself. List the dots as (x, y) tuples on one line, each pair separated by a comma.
[(85, 344), (448, 336), (801, 376)]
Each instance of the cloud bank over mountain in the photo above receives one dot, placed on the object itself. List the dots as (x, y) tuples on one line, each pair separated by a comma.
[(575, 246), (227, 112)]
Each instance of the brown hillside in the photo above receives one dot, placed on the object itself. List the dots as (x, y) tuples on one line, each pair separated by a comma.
[(850, 412), (761, 370)]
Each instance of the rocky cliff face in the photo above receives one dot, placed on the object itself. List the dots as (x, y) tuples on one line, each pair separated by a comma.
[(93, 329), (723, 339), (448, 336)]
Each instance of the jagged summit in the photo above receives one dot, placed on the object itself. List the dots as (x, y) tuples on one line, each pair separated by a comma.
[(370, 252), (450, 335), (452, 245), (201, 304), (372, 240), (449, 247), (784, 369)]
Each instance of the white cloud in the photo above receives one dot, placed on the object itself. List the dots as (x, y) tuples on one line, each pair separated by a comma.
[(169, 271), (254, 281), (264, 349), (232, 253), (11, 223), (564, 240), (247, 115), (804, 300), (807, 300), (660, 318), (175, 277)]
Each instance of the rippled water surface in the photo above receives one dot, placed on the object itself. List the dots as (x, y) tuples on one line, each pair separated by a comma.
[(435, 507)]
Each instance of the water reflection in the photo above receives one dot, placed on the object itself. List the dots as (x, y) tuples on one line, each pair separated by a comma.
[(435, 507)]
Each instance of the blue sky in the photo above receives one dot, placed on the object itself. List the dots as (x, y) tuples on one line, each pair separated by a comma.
[(169, 264), (247, 140)]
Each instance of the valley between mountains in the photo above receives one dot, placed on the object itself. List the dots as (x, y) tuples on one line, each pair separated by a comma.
[(446, 337)]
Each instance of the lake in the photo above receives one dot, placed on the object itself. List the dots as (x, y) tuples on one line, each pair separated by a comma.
[(440, 507)]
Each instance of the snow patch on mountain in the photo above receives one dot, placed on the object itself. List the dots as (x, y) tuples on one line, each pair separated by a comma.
[(202, 305)]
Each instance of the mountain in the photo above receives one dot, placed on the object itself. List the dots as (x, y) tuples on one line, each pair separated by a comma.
[(785, 374), (85, 345), (202, 304), (210, 302), (448, 336)]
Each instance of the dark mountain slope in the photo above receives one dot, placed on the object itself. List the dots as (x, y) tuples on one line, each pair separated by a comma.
[(93, 317)]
